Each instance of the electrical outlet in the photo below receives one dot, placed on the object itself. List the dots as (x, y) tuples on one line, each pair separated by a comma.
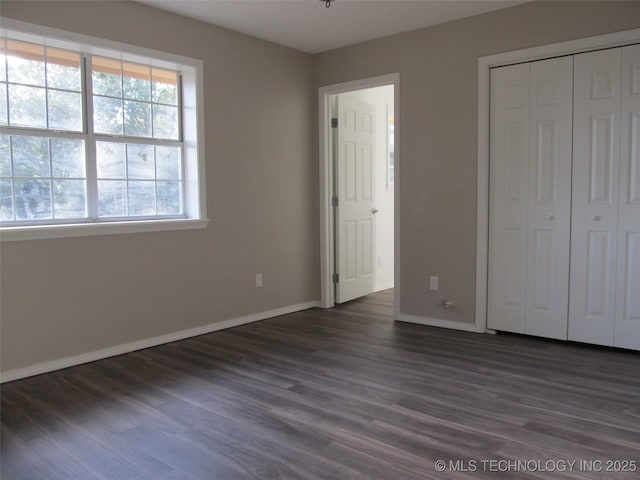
[(258, 280), (433, 283)]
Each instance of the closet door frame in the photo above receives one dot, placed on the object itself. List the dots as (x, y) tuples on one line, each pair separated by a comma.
[(485, 64)]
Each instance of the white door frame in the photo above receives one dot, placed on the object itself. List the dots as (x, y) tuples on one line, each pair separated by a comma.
[(484, 65), (327, 299)]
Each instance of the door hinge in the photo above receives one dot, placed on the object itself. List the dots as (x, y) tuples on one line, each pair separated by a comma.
[(334, 201), (334, 123), (336, 278)]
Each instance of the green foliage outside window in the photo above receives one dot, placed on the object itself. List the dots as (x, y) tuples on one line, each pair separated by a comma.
[(46, 141)]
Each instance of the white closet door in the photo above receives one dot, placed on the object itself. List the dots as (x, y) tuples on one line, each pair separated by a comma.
[(509, 146), (549, 212), (595, 196), (627, 323)]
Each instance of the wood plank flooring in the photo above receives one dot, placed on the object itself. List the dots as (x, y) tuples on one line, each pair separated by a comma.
[(330, 394)]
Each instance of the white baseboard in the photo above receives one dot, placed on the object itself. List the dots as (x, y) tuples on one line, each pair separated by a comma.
[(45, 367), (437, 322)]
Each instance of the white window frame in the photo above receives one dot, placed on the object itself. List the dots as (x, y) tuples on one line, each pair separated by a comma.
[(195, 216)]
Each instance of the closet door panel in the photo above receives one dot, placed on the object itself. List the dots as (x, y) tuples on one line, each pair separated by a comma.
[(549, 204), (627, 322), (595, 196), (508, 198)]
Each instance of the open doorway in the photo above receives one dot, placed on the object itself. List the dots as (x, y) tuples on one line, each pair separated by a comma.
[(362, 140), (359, 188)]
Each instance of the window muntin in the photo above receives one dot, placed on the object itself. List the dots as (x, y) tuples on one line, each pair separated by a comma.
[(42, 178), (138, 179), (40, 87), (42, 116), (134, 100)]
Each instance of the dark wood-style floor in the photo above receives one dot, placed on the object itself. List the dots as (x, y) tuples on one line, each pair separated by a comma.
[(329, 394)]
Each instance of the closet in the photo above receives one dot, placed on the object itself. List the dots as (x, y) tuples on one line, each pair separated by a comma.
[(564, 231)]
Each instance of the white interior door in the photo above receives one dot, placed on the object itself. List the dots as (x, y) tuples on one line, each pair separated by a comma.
[(594, 230), (531, 197), (508, 198), (627, 323), (549, 210), (355, 187)]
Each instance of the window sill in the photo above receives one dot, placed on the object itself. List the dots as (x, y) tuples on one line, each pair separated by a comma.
[(38, 232)]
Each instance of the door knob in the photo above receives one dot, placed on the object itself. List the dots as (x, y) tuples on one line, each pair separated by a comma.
[(374, 210), (596, 218), (549, 217)]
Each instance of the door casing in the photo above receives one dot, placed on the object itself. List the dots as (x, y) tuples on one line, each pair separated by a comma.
[(327, 253)]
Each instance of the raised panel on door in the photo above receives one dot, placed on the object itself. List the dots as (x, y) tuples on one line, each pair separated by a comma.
[(595, 197), (349, 241), (549, 206), (355, 221), (627, 323), (509, 148), (366, 177)]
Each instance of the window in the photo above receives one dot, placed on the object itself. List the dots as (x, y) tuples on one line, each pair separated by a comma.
[(93, 136)]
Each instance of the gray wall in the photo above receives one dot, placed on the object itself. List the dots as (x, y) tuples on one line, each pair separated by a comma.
[(66, 297), (438, 69)]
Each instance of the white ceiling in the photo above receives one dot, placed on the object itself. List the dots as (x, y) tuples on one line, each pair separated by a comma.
[(308, 26)]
